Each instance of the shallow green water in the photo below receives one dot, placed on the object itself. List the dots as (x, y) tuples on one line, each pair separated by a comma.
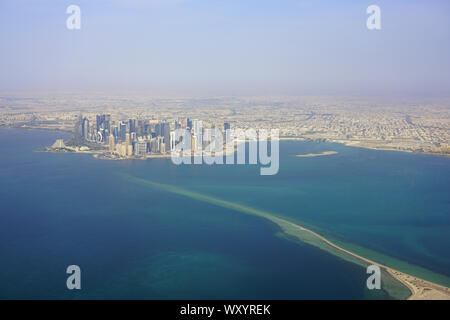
[(135, 241)]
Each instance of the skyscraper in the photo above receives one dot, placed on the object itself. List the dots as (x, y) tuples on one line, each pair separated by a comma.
[(128, 145), (100, 119), (107, 124), (188, 124), (78, 127), (122, 130), (111, 144), (146, 129), (85, 129), (166, 133), (172, 140), (132, 124), (197, 127), (158, 129), (115, 132), (226, 129)]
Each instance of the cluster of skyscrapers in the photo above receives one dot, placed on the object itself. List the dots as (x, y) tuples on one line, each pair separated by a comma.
[(139, 137)]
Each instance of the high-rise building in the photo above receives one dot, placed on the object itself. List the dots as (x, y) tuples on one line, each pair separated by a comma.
[(122, 150), (158, 130), (140, 148), (132, 125), (188, 124), (197, 144), (128, 145), (147, 129), (226, 129), (78, 131), (85, 129), (115, 132), (197, 136), (100, 119), (166, 133), (107, 124), (197, 127), (122, 130), (154, 145), (140, 128), (111, 144), (172, 140)]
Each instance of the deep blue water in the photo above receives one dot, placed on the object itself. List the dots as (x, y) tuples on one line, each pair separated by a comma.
[(136, 242)]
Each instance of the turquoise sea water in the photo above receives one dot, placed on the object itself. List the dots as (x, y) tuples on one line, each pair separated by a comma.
[(132, 241)]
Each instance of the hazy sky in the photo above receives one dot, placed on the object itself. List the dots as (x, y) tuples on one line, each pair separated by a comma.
[(228, 47)]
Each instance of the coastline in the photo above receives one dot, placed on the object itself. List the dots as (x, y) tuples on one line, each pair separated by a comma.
[(419, 289), (357, 144), (105, 154)]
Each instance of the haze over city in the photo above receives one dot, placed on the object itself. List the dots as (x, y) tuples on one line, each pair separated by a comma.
[(203, 47)]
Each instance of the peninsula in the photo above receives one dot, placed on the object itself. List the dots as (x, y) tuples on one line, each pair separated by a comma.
[(420, 289)]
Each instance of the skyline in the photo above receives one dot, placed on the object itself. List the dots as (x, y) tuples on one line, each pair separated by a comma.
[(407, 125), (226, 48)]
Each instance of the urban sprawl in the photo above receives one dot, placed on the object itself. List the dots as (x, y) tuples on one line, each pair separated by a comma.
[(119, 127)]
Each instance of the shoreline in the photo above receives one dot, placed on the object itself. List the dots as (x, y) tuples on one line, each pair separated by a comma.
[(420, 289), (355, 144)]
